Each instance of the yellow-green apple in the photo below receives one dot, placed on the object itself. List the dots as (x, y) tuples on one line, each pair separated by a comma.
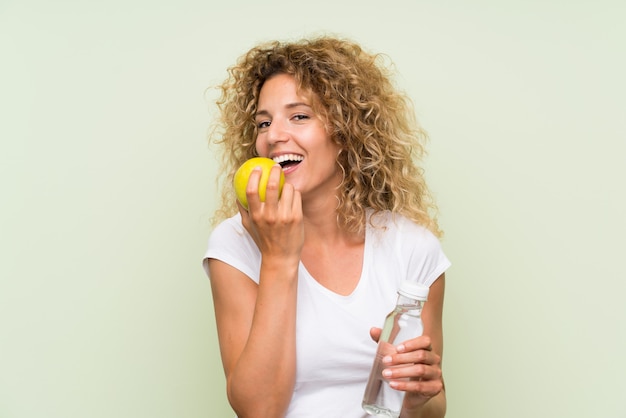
[(240, 181)]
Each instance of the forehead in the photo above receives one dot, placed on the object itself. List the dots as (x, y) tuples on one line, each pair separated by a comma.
[(285, 85), (283, 90)]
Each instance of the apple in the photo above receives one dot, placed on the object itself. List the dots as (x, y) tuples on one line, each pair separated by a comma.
[(240, 181)]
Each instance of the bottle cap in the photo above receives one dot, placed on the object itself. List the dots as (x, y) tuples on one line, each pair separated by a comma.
[(414, 290)]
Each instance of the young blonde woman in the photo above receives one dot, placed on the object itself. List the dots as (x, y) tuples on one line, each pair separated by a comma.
[(302, 282)]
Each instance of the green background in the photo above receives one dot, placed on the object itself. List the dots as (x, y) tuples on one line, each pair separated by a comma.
[(107, 182)]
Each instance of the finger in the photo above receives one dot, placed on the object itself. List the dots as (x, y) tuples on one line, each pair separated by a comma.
[(242, 210), (416, 350), (422, 372), (413, 357), (287, 196), (245, 215), (272, 190), (296, 205), (245, 219), (425, 388), (422, 342), (252, 188)]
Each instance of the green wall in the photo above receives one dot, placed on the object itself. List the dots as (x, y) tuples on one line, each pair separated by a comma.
[(106, 184)]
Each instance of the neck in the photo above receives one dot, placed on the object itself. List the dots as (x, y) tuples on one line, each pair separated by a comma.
[(321, 227)]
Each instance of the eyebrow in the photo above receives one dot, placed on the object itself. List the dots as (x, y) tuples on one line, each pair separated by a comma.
[(288, 106)]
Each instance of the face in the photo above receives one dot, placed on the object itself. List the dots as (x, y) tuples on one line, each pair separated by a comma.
[(291, 134)]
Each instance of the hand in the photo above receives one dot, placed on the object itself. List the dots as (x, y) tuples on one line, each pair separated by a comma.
[(414, 368), (276, 225)]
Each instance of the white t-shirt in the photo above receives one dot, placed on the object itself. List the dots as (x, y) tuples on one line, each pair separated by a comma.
[(334, 351)]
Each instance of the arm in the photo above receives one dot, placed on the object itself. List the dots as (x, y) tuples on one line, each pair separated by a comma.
[(421, 360), (256, 323)]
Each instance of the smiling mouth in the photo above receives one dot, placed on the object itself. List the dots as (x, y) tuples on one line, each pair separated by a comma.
[(288, 160)]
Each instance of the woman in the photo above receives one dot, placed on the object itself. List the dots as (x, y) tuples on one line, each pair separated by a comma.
[(301, 280)]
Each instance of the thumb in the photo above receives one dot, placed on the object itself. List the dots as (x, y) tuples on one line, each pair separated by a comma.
[(375, 333), (245, 217)]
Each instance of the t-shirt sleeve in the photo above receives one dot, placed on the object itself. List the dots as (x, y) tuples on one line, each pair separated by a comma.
[(426, 259), (230, 242)]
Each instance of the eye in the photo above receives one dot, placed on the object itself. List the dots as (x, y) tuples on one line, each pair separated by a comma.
[(263, 124), (300, 117)]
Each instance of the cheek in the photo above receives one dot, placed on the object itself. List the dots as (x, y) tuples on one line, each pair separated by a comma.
[(260, 147)]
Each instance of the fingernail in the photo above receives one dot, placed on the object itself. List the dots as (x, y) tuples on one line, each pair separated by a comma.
[(387, 359), (401, 348), (387, 373)]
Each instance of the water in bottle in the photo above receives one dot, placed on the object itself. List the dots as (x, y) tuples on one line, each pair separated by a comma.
[(403, 323)]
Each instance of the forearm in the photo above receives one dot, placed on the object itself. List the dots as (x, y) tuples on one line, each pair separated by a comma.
[(435, 407), (261, 384)]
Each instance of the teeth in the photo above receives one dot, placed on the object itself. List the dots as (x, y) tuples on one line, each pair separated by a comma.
[(287, 157)]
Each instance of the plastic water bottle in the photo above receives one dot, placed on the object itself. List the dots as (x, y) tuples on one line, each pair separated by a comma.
[(403, 323)]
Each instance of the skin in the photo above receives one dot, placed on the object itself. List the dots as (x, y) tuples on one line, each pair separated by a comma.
[(256, 323)]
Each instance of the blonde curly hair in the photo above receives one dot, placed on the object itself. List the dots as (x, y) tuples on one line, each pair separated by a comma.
[(373, 123)]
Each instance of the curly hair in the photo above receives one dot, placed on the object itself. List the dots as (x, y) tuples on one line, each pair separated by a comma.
[(367, 116)]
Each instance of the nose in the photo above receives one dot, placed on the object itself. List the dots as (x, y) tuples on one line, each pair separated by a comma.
[(277, 132)]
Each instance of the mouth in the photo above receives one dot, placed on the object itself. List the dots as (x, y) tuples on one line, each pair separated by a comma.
[(288, 160)]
